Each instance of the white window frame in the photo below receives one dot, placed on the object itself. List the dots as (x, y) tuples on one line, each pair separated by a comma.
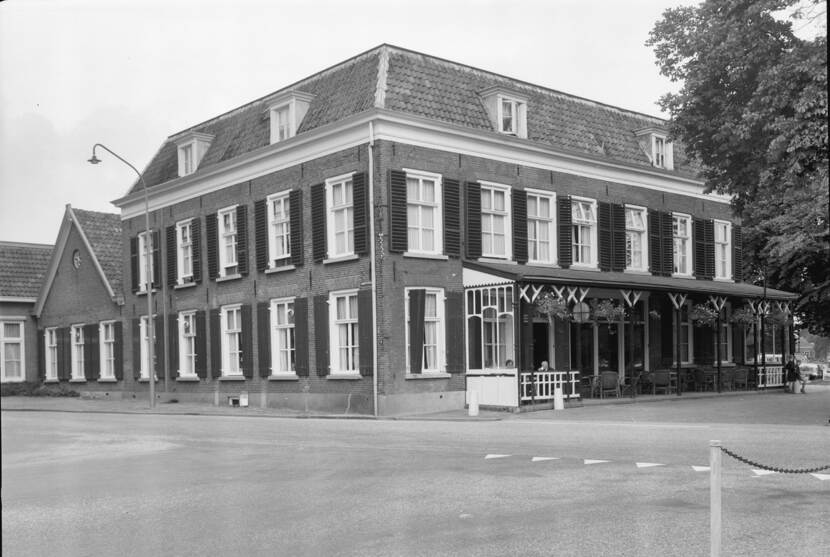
[(538, 222), (184, 252), (687, 252), (493, 214), (76, 332), (144, 283), (106, 348), (659, 147), (9, 341), (187, 344), (277, 128), (50, 351), (347, 208), (593, 234), (493, 307), (440, 330), (421, 206), (227, 237), (144, 348), (352, 364), (187, 158), (517, 119), (283, 340), (279, 230), (726, 247), (690, 337), (643, 233), (231, 367)]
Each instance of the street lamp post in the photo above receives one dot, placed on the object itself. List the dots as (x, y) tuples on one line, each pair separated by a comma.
[(151, 372)]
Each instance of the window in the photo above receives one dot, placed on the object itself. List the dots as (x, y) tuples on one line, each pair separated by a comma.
[(282, 336), (423, 212), (279, 227), (635, 239), (144, 240), (682, 252), (145, 348), (12, 352), (184, 251), (540, 227), (281, 123), (187, 344), (584, 224), (106, 332), (495, 221), (286, 111), (508, 116), (432, 360), (723, 250), (231, 340), (227, 242), (490, 328), (344, 332), (339, 194), (659, 151), (186, 154), (685, 335), (51, 354), (77, 351), (192, 146)]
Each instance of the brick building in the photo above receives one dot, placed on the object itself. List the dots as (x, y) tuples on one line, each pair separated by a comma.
[(380, 237)]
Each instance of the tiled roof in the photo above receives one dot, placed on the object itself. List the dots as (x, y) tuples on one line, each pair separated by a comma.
[(22, 267), (433, 88), (103, 230)]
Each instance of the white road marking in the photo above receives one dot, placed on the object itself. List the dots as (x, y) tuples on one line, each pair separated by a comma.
[(541, 458), (589, 461), (821, 476), (648, 464), (700, 468), (763, 472), (496, 456)]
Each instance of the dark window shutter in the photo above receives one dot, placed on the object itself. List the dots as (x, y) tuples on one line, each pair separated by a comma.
[(698, 238), (172, 260), (321, 333), (295, 207), (398, 233), (156, 259), (261, 234), (247, 357), (737, 254), (318, 222), (215, 343), (737, 332), (709, 244), (201, 345), (605, 244), (667, 244), (301, 336), (263, 326), (454, 350), (565, 231), (242, 239), (212, 230), (655, 245), (360, 199), (562, 352), (452, 218), (118, 349), (417, 306), (618, 237), (173, 344), (704, 344), (134, 263), (136, 329), (519, 198), (41, 354), (473, 220), (365, 332), (196, 242), (92, 357), (158, 347)]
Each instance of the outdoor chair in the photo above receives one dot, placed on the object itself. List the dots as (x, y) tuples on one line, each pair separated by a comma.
[(609, 382), (662, 381), (741, 378), (726, 379)]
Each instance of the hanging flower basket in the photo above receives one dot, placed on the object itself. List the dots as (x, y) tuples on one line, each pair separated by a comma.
[(703, 314), (655, 315), (778, 318), (609, 311), (552, 306), (743, 316)]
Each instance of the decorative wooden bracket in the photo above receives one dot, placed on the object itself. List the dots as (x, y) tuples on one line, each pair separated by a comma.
[(718, 302), (783, 307), (576, 294), (677, 300), (631, 297), (535, 291)]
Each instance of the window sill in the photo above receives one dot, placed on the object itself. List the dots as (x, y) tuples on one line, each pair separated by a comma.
[(341, 259), (187, 379), (416, 255), (232, 378), (144, 292), (585, 267), (284, 377), (427, 375), (549, 264), (345, 376), (681, 275), (51, 381), (184, 285), (229, 277), (283, 268), (493, 259), (108, 380), (145, 380), (722, 279), (643, 272), (16, 380), (77, 380)]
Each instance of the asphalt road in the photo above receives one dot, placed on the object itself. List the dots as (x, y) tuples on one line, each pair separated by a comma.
[(124, 485)]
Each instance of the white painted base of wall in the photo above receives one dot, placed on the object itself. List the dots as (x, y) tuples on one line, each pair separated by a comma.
[(420, 403)]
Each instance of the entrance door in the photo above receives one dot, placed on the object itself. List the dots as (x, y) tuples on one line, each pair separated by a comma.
[(541, 345)]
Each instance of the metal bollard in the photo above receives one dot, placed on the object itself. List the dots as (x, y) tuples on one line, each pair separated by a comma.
[(472, 409), (714, 497)]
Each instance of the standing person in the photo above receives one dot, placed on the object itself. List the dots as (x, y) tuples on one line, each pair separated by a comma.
[(800, 377), (791, 374)]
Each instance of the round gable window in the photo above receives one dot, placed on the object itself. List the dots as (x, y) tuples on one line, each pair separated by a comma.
[(76, 259)]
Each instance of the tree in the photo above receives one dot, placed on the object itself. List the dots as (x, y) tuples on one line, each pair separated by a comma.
[(752, 110)]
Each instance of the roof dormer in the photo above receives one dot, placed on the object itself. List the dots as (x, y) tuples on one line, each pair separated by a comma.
[(654, 143), (507, 110), (192, 146), (286, 112)]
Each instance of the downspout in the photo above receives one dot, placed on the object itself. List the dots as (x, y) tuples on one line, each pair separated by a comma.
[(373, 269)]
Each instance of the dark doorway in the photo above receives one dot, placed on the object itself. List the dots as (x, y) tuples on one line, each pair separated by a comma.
[(541, 343)]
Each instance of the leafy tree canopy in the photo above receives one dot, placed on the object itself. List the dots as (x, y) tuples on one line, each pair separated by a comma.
[(753, 110)]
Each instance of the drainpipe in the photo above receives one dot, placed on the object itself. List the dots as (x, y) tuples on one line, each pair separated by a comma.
[(373, 269)]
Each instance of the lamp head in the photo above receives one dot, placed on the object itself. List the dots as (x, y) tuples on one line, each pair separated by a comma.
[(94, 159)]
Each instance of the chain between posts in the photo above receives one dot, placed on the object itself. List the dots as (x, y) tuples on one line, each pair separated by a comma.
[(772, 468)]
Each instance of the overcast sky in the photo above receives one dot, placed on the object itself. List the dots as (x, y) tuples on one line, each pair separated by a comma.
[(130, 73)]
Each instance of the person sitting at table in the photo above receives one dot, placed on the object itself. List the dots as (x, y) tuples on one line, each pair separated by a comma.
[(544, 366)]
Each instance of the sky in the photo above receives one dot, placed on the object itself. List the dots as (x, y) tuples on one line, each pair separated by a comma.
[(129, 73)]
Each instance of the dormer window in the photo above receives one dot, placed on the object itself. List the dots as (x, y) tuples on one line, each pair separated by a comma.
[(656, 147), (192, 147), (286, 112), (659, 151), (507, 110)]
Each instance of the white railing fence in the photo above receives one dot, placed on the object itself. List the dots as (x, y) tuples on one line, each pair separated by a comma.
[(546, 383), (774, 376)]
